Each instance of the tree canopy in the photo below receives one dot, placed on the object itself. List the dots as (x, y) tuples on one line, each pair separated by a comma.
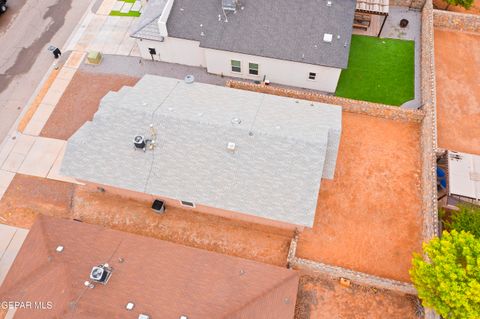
[(467, 4), (447, 278)]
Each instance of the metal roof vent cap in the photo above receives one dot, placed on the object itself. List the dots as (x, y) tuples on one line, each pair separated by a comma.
[(129, 306), (143, 316), (327, 37), (59, 249), (329, 3), (189, 79), (236, 121), (231, 147)]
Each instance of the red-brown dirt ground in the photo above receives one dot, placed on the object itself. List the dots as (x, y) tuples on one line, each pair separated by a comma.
[(369, 216), (458, 90), (80, 102)]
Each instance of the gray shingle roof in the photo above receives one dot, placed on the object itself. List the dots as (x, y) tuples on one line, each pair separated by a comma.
[(274, 173), (279, 29), (147, 25)]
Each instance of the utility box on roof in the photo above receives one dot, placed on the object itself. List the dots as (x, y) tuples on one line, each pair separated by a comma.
[(94, 57)]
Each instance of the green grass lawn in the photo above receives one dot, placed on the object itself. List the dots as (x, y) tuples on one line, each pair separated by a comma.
[(128, 14), (379, 70)]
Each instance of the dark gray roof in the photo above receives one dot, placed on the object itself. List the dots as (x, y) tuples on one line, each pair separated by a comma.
[(274, 172), (147, 25), (279, 29)]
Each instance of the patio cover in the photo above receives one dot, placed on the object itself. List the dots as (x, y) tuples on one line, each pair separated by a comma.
[(464, 174), (379, 7)]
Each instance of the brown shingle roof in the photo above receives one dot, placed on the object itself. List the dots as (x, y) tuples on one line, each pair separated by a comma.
[(162, 279)]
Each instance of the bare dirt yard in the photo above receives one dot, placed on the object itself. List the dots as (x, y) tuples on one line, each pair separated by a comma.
[(369, 216), (80, 102), (318, 297), (28, 196), (458, 90), (321, 297)]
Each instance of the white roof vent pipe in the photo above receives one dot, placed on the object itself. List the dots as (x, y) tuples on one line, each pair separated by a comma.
[(162, 21)]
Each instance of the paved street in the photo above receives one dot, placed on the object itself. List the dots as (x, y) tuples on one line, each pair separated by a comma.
[(24, 60)]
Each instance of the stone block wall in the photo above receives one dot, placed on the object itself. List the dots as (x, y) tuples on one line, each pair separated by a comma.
[(415, 4), (429, 132), (348, 105), (456, 21), (429, 126)]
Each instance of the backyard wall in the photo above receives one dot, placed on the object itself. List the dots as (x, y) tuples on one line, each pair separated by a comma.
[(456, 21), (348, 105), (416, 4), (340, 272), (429, 132)]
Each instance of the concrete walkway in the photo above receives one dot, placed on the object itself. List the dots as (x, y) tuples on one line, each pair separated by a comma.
[(108, 34), (11, 240)]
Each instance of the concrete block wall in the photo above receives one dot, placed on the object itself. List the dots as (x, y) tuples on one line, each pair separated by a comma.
[(348, 105), (456, 21), (414, 4)]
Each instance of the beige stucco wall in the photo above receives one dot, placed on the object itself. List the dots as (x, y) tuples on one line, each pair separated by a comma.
[(276, 71), (170, 202), (173, 50)]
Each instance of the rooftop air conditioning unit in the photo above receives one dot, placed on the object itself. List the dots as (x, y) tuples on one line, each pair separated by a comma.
[(229, 5), (139, 142), (101, 273)]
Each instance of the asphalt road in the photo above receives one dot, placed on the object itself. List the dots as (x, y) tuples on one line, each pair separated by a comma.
[(26, 30)]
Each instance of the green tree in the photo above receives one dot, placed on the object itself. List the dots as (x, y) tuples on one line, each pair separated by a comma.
[(467, 219), (467, 4), (448, 277)]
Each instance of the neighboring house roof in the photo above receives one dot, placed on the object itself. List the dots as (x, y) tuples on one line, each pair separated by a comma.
[(279, 29), (147, 25), (374, 6), (282, 147), (162, 279)]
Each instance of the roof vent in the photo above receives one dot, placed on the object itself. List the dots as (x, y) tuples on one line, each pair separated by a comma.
[(327, 37), (236, 121), (101, 273), (139, 142), (189, 79), (129, 306), (59, 249), (329, 3), (231, 146), (229, 5), (143, 316), (183, 317)]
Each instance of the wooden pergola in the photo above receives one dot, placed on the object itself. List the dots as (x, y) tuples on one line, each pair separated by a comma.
[(365, 8)]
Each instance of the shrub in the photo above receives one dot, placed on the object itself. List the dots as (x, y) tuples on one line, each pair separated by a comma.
[(466, 219), (448, 277)]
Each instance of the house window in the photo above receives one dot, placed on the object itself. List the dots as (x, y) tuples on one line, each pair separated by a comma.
[(236, 66), (312, 75), (185, 203), (253, 68)]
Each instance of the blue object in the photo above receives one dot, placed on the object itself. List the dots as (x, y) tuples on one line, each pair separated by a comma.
[(442, 177)]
